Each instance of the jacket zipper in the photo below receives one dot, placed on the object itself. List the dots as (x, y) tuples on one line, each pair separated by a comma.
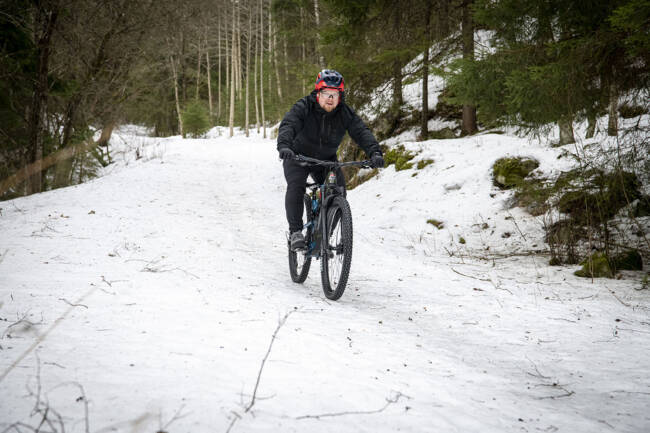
[(322, 131)]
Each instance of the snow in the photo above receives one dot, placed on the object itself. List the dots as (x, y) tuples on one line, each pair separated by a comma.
[(175, 265)]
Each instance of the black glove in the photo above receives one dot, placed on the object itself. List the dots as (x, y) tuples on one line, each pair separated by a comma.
[(376, 160), (286, 153)]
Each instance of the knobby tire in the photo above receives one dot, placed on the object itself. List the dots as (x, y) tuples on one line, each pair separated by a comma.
[(339, 225)]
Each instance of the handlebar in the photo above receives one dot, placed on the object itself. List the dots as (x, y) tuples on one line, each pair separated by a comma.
[(335, 164)]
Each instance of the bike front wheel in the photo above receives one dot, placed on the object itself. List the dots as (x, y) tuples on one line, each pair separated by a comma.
[(337, 257)]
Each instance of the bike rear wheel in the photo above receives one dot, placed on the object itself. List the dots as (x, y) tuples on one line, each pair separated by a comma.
[(336, 261)]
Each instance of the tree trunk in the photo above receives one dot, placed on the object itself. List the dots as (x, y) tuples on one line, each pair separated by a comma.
[(207, 68), (262, 67), (591, 126), (443, 19), (566, 131), (612, 122), (304, 57), (238, 64), (219, 73), (248, 65), (228, 57), (398, 99), (45, 24), (469, 111), (198, 68), (233, 79), (178, 104), (321, 58), (181, 69), (278, 84), (424, 122), (255, 94)]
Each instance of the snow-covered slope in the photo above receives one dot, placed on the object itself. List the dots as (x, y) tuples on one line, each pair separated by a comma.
[(158, 287)]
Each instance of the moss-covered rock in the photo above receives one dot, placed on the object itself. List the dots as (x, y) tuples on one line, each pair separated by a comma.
[(437, 224), (595, 266), (629, 260), (510, 172), (442, 134), (399, 156)]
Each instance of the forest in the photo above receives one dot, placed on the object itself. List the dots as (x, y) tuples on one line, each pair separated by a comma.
[(70, 68)]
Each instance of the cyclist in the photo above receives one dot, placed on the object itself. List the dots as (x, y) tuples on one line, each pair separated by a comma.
[(314, 127)]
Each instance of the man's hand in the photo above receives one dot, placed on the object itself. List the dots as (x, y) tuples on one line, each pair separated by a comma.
[(376, 160), (286, 153)]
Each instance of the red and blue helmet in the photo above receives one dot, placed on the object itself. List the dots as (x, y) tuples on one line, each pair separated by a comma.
[(330, 79)]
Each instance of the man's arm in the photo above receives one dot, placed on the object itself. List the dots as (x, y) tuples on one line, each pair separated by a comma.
[(362, 135), (292, 124)]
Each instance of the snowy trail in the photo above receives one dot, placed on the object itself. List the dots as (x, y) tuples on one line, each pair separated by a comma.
[(186, 263)]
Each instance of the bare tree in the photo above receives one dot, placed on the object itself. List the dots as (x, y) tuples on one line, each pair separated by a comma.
[(469, 111), (262, 66), (233, 85)]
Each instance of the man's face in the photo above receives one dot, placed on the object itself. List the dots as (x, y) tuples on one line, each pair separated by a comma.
[(329, 99)]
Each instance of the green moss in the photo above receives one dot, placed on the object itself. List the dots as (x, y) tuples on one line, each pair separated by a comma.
[(437, 224), (400, 157), (595, 266), (462, 240), (423, 163), (510, 172)]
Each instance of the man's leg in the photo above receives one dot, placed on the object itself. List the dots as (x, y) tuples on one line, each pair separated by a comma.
[(296, 177)]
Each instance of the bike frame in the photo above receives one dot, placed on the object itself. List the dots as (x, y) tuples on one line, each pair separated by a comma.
[(328, 191)]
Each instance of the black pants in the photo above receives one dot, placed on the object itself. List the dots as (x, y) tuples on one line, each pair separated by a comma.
[(296, 177)]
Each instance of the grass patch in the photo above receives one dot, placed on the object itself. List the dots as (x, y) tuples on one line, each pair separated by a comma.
[(423, 163), (437, 224)]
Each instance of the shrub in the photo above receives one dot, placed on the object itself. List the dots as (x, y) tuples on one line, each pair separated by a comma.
[(423, 163), (196, 119), (631, 111)]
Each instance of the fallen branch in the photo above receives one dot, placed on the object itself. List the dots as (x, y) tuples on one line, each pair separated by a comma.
[(389, 401), (71, 304), (259, 374), (469, 276)]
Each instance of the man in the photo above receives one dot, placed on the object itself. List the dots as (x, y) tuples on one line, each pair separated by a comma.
[(314, 127)]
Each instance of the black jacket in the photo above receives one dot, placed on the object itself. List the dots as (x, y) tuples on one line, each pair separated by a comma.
[(309, 130)]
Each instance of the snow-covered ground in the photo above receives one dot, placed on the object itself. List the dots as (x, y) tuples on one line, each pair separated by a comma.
[(155, 291)]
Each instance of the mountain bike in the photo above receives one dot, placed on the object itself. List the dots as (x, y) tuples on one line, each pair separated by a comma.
[(328, 230)]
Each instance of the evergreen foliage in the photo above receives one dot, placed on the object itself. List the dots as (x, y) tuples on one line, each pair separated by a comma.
[(196, 119)]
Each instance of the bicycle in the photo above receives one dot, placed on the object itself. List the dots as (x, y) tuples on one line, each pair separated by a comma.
[(328, 230)]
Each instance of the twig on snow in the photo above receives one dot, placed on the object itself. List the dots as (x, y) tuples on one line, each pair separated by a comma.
[(469, 276), (177, 416), (268, 352), (71, 304), (619, 299), (42, 337), (389, 401)]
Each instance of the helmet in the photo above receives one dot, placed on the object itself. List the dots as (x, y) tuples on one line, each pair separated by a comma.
[(329, 78)]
